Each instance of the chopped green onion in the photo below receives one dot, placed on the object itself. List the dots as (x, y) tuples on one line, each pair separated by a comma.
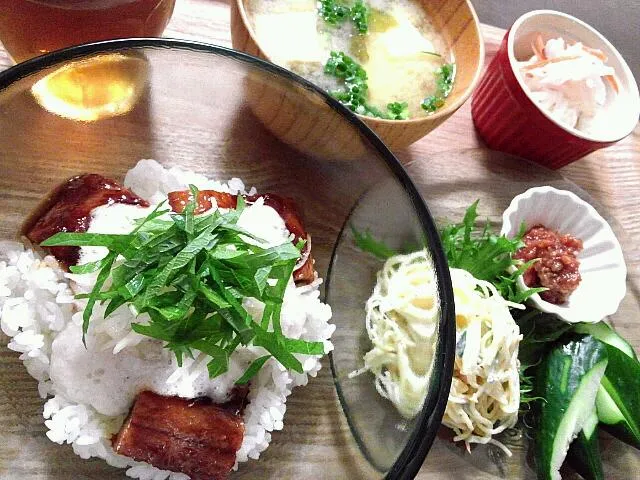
[(444, 84), (354, 95), (336, 12), (360, 16)]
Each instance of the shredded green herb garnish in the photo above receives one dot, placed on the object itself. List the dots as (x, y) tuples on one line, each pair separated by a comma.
[(190, 274), (335, 12), (365, 242), (354, 96), (444, 83), (485, 255), (480, 252)]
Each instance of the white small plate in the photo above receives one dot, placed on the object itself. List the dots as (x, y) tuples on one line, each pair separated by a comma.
[(602, 266)]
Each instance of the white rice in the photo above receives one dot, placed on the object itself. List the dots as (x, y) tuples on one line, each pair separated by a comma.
[(37, 306)]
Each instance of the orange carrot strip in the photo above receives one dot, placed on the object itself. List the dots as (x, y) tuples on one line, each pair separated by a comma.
[(595, 52), (611, 79), (538, 47), (548, 61)]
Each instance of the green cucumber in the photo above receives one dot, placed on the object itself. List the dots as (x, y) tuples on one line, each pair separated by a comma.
[(568, 381), (606, 334), (584, 451), (618, 399)]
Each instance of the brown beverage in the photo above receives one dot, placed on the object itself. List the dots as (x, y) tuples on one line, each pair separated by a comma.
[(32, 27)]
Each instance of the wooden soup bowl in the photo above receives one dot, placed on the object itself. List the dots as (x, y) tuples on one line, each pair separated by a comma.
[(456, 20)]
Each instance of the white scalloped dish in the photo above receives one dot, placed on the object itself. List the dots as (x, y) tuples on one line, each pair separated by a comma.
[(602, 266)]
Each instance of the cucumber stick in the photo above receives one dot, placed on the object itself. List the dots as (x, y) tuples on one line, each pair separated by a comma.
[(568, 380), (618, 399), (584, 451), (606, 334)]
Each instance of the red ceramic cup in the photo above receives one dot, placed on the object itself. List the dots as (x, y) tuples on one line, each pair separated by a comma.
[(508, 119)]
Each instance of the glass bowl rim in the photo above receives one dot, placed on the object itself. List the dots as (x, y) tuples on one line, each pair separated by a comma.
[(428, 421)]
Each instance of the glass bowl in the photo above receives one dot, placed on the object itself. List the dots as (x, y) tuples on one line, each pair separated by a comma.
[(102, 107)]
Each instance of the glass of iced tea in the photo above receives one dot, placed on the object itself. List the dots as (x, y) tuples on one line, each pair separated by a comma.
[(29, 28), (94, 88)]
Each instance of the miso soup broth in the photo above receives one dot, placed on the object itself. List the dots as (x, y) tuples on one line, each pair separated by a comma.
[(409, 69)]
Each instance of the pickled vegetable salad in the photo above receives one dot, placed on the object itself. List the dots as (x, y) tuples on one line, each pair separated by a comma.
[(569, 81), (402, 315)]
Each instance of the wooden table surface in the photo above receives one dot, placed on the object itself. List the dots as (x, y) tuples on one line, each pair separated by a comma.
[(611, 176)]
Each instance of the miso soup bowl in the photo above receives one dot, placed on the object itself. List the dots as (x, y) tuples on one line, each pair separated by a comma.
[(509, 120), (456, 21)]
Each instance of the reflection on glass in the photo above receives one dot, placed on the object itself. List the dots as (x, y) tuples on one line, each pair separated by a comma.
[(99, 87)]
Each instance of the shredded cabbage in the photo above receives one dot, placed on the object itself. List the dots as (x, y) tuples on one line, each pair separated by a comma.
[(401, 319), (485, 391)]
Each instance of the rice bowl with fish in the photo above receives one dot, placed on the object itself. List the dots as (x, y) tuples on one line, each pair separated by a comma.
[(91, 389)]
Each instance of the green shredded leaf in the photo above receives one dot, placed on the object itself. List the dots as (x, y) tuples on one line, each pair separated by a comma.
[(73, 239), (158, 329), (189, 273), (484, 254), (252, 370), (295, 345), (113, 305), (266, 258), (93, 296), (219, 362), (261, 277), (213, 297), (365, 242), (238, 318), (189, 210), (276, 347), (146, 222), (87, 267), (179, 310), (132, 287), (176, 263)]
